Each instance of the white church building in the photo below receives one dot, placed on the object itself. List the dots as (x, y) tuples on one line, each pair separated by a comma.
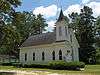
[(60, 44)]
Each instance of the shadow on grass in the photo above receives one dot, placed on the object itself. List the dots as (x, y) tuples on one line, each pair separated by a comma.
[(7, 73)]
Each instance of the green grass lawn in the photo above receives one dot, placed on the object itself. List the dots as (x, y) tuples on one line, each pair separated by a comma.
[(89, 70)]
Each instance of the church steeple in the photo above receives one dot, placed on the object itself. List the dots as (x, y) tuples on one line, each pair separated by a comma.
[(61, 28), (61, 16)]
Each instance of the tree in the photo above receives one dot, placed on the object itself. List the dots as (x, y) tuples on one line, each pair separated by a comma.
[(40, 24), (6, 10), (28, 24), (97, 31), (16, 27), (21, 27), (98, 55), (83, 24), (97, 37), (7, 6), (11, 36)]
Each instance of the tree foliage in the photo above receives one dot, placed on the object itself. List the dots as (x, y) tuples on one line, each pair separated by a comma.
[(97, 31), (84, 24), (27, 24), (98, 55), (7, 7), (16, 27), (97, 37), (21, 26), (8, 42)]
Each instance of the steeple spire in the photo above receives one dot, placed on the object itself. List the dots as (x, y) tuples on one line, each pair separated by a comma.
[(61, 16)]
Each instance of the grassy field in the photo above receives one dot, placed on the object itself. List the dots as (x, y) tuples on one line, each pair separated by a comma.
[(89, 70)]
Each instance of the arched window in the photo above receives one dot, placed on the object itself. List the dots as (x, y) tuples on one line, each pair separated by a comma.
[(71, 38), (60, 55), (43, 58), (60, 31), (53, 55), (33, 56), (25, 56), (66, 30)]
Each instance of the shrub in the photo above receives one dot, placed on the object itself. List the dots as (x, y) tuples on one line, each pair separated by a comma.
[(6, 64), (57, 65), (35, 66), (17, 64), (66, 65), (62, 65), (98, 56)]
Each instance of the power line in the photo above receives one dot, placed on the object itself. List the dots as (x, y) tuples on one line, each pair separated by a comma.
[(59, 3)]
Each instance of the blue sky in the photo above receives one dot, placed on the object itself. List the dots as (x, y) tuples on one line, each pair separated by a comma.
[(29, 5), (50, 8)]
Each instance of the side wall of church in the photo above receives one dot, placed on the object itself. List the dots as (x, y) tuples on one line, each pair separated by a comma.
[(75, 45), (48, 56)]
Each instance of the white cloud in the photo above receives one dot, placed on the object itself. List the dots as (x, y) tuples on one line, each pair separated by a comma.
[(72, 8), (47, 12), (76, 8), (51, 25), (52, 11), (95, 8)]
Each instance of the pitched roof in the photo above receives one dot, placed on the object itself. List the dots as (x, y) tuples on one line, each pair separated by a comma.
[(45, 38)]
